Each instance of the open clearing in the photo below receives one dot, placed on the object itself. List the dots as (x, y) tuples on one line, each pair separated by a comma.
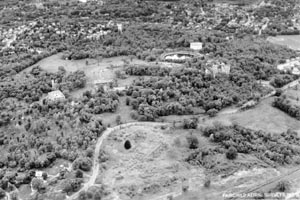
[(291, 41), (262, 117), (102, 71), (152, 167)]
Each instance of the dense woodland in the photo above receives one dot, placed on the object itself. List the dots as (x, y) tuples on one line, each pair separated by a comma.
[(288, 105), (232, 141), (184, 89)]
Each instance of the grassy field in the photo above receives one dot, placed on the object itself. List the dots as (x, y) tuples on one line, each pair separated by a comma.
[(263, 117), (157, 157), (103, 71), (291, 41), (152, 167)]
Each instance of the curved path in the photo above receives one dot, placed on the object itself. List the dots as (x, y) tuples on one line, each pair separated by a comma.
[(96, 164)]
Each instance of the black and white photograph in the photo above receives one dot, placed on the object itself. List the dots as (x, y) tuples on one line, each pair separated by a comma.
[(149, 99)]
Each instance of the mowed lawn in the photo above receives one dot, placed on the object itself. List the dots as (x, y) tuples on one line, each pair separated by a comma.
[(94, 70), (103, 71), (291, 41), (264, 117)]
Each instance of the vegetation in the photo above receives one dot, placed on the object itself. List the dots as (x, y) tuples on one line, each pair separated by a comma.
[(287, 105), (36, 133), (272, 149)]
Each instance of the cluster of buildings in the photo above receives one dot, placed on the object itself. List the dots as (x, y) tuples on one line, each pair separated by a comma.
[(8, 36), (291, 65), (31, 36), (234, 17), (214, 67)]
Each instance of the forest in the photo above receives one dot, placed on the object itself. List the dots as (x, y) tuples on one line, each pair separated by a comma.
[(232, 141), (188, 88), (179, 90)]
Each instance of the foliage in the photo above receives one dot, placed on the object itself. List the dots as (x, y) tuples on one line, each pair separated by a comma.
[(287, 105), (71, 185), (283, 186), (276, 149), (231, 154), (82, 163), (193, 142)]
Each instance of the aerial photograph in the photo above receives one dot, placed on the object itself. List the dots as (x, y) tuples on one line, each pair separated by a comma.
[(149, 99)]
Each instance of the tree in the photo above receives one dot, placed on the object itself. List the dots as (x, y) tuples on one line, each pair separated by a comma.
[(97, 196), (84, 164), (118, 119), (127, 101), (79, 174), (193, 142), (190, 123), (82, 195), (212, 112), (283, 186), (207, 183), (89, 152), (36, 184), (45, 175), (71, 185), (14, 195), (231, 153)]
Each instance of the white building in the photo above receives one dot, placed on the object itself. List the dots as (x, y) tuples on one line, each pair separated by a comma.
[(196, 46)]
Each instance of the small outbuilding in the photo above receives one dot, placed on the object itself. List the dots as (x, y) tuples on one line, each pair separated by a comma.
[(196, 46)]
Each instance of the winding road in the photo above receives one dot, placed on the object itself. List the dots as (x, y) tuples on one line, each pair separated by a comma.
[(96, 164)]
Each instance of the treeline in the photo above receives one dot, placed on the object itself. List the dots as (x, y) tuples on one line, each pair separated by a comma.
[(147, 70), (270, 148), (281, 80), (13, 64), (289, 106)]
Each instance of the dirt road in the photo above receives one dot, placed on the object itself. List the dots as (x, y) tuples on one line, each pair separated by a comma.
[(96, 164)]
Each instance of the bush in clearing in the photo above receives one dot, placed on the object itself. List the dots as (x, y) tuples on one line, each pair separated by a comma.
[(283, 186), (231, 154), (193, 142), (84, 164)]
